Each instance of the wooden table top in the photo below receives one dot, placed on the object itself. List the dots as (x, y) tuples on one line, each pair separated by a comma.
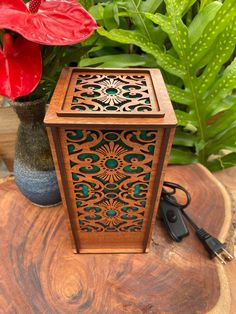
[(40, 274)]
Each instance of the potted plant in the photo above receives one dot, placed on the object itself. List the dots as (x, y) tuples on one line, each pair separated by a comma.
[(35, 38)]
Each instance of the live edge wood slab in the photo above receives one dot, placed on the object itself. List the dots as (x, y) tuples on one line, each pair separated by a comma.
[(40, 274)]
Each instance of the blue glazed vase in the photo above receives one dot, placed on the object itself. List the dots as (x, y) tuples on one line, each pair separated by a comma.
[(33, 165)]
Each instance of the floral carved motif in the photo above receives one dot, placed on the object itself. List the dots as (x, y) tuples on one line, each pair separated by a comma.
[(111, 93), (110, 171)]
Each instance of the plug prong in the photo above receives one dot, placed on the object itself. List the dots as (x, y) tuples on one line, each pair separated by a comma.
[(228, 255), (220, 258)]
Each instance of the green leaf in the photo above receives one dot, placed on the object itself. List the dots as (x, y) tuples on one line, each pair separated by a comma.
[(184, 118), (166, 61), (150, 5), (201, 20), (221, 88), (184, 139), (219, 107), (194, 49), (223, 122), (179, 156), (97, 11), (110, 16), (222, 162), (119, 60), (179, 38), (75, 54), (176, 7), (92, 40), (161, 20), (179, 95), (196, 87), (86, 3), (200, 145), (204, 3), (176, 30), (226, 139), (223, 50), (142, 24), (223, 18), (190, 128)]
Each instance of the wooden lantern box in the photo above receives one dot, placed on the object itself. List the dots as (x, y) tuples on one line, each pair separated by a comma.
[(110, 132)]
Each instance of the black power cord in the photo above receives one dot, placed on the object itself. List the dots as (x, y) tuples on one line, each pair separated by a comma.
[(172, 213)]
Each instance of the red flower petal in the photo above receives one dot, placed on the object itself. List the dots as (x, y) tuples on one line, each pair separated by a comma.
[(21, 67), (58, 22)]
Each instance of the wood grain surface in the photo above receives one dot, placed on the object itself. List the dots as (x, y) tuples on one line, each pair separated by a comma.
[(8, 130), (40, 274), (228, 178)]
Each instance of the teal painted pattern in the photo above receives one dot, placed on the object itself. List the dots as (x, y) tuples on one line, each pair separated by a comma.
[(111, 171)]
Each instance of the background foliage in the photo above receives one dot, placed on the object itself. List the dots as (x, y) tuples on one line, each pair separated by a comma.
[(193, 43)]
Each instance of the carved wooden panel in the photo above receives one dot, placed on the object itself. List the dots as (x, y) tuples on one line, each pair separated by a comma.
[(110, 173), (98, 92), (111, 93)]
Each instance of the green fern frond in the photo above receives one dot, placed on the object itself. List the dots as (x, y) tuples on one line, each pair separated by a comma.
[(197, 62)]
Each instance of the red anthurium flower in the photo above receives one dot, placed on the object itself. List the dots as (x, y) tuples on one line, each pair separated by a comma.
[(20, 67), (49, 22)]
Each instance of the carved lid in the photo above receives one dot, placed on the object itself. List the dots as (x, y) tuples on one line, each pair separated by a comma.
[(109, 93)]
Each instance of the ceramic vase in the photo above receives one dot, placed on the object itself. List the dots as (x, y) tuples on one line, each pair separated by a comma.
[(33, 165)]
